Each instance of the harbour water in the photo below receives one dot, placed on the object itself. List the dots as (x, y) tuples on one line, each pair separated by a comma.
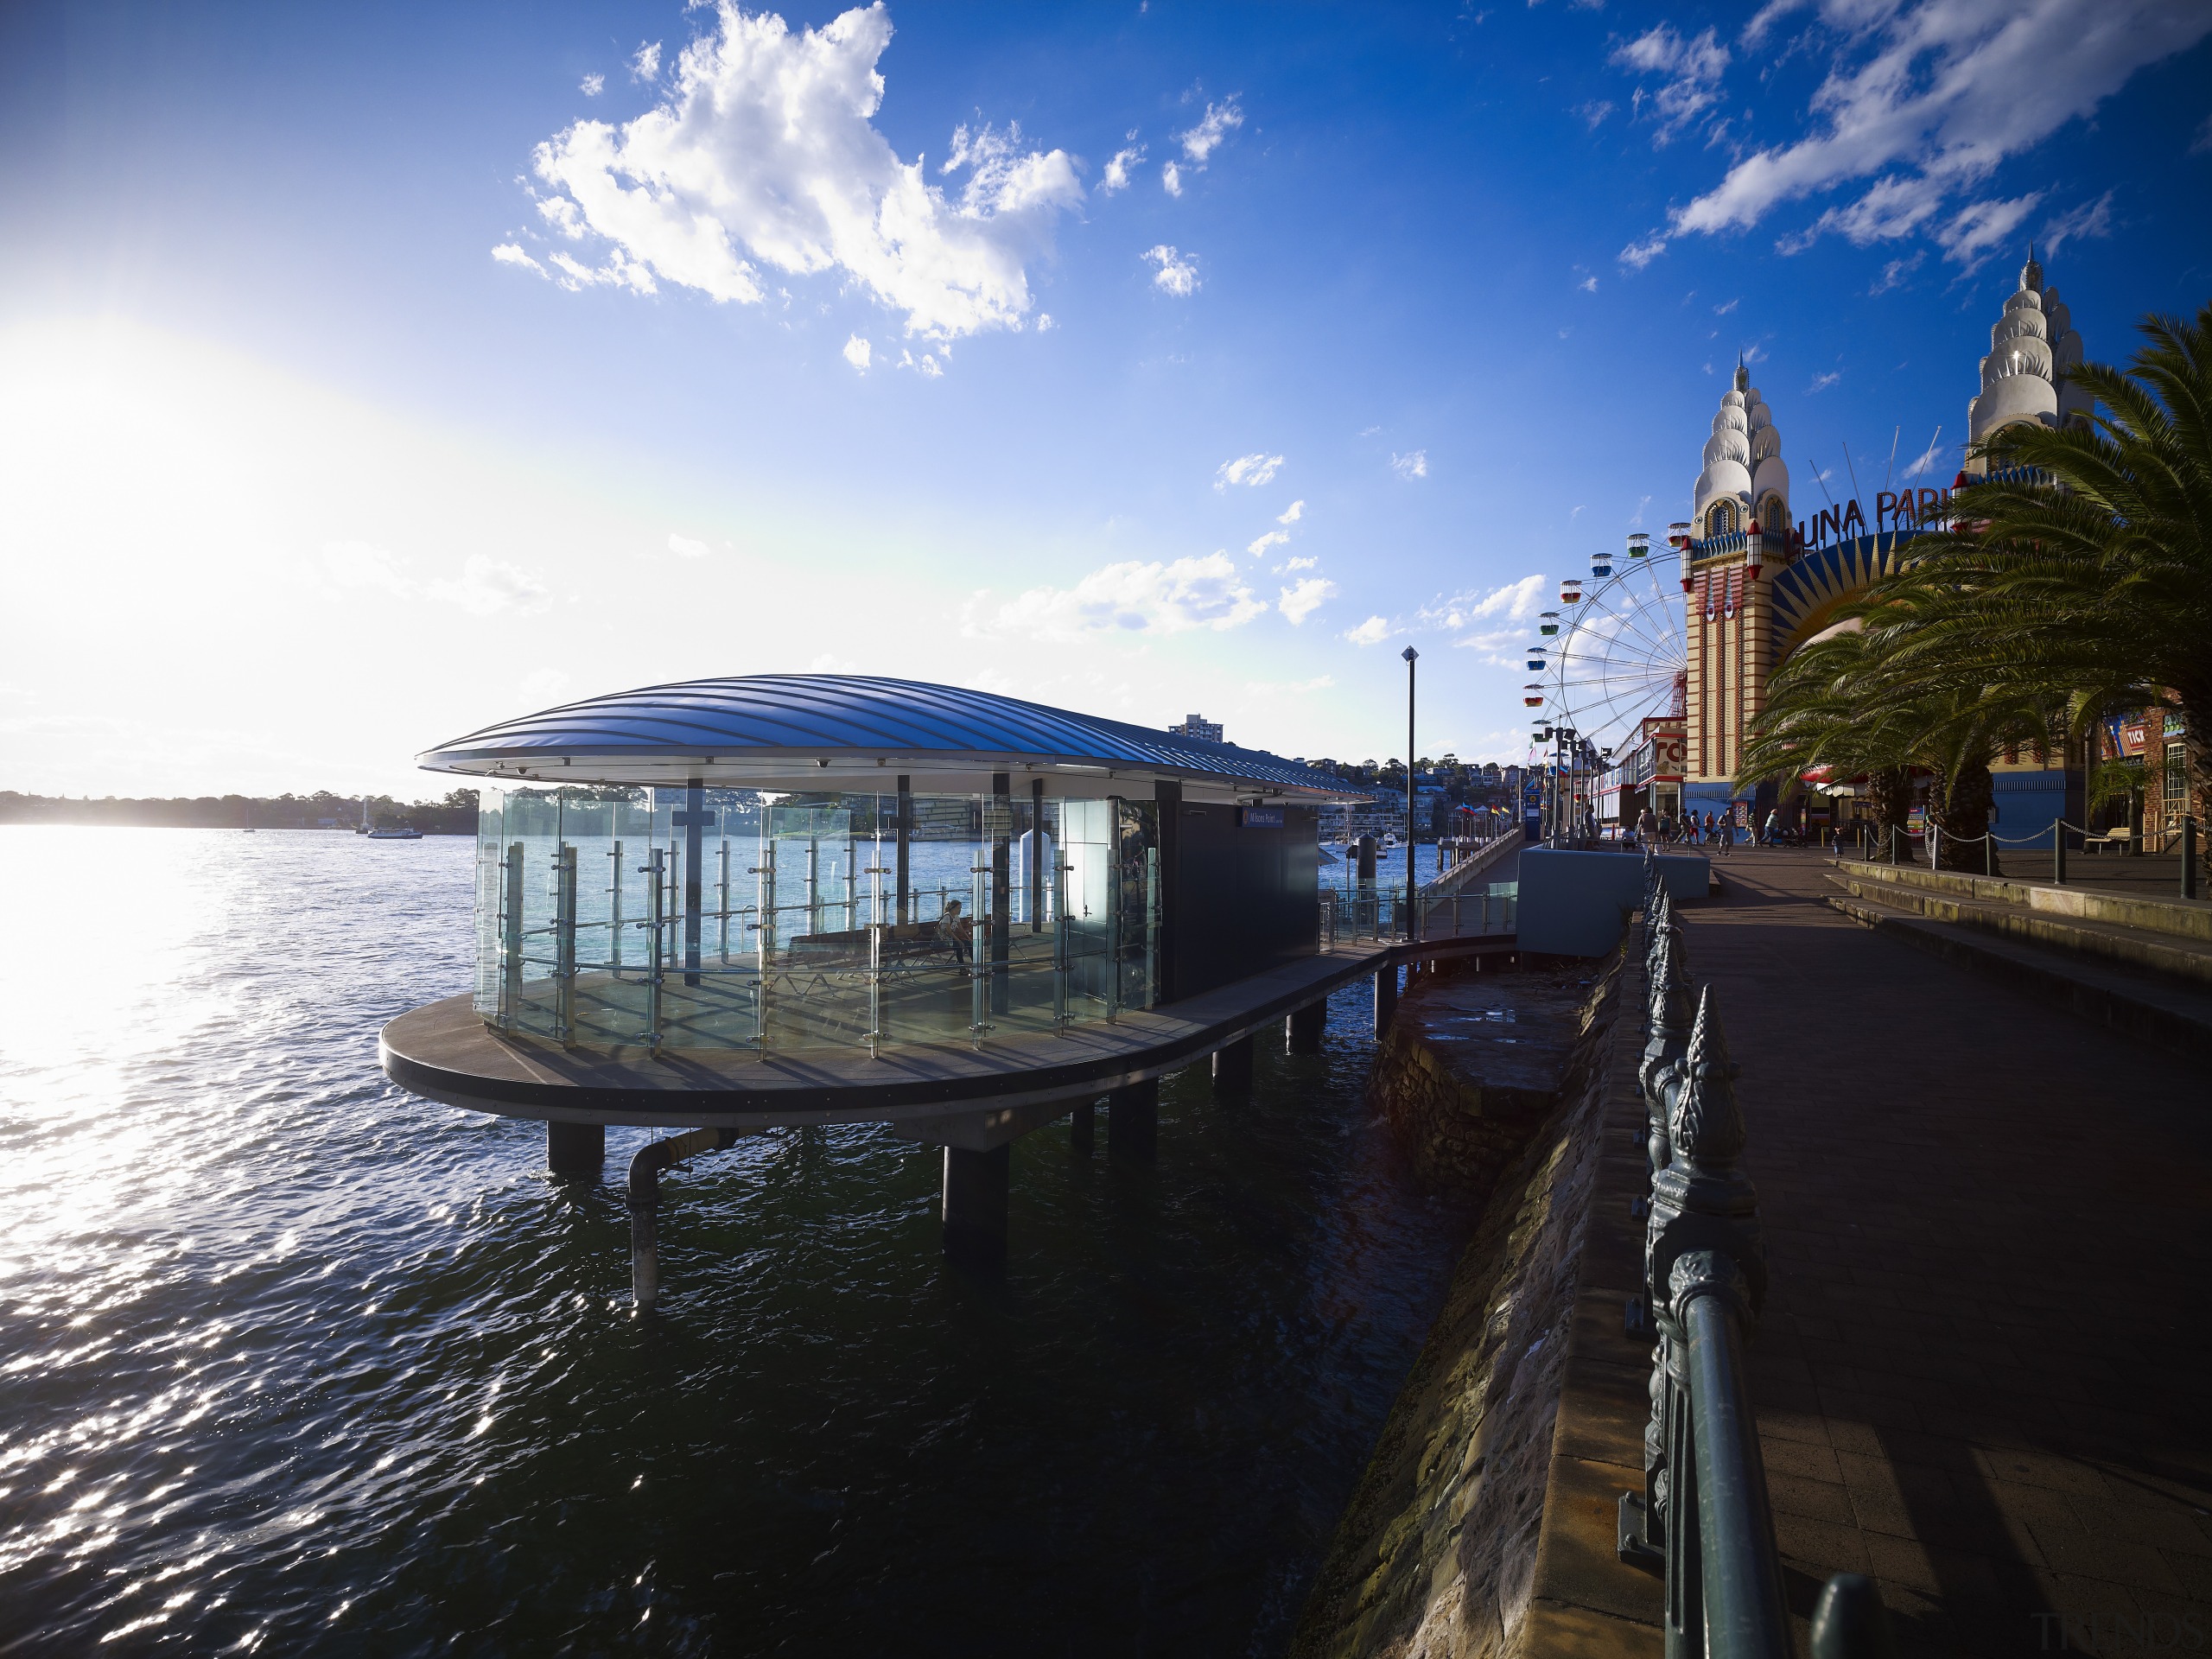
[(291, 1362)]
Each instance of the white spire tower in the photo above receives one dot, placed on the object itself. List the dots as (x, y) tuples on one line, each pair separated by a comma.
[(2023, 378)]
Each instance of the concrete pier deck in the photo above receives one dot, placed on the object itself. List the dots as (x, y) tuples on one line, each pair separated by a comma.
[(1982, 1373), (445, 1052)]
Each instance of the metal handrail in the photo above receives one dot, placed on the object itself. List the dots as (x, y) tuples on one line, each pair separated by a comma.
[(1703, 1518)]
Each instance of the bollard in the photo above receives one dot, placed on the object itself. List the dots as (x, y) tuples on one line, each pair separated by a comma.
[(1988, 853), (2188, 858), (2058, 853)]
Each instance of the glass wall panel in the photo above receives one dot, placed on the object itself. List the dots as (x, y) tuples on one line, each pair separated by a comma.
[(735, 920)]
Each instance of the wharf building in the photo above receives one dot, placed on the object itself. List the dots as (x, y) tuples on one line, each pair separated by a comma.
[(732, 905), (1761, 578)]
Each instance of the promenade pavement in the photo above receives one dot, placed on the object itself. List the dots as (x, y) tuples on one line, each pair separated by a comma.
[(1981, 1376)]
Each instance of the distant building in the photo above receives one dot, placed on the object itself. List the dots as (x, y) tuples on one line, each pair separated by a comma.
[(1198, 726)]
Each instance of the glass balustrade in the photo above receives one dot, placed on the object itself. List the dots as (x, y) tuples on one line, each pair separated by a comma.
[(725, 919)]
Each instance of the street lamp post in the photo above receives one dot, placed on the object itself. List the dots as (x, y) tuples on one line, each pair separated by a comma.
[(1411, 657)]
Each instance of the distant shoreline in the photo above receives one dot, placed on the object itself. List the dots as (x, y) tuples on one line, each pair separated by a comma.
[(453, 815)]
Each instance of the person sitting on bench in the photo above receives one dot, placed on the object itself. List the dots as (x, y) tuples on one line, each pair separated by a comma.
[(954, 930)]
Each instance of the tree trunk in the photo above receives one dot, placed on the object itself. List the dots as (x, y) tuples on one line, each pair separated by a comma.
[(1959, 810), (1890, 792)]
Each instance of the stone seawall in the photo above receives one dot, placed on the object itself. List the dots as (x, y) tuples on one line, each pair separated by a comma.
[(1484, 1524)]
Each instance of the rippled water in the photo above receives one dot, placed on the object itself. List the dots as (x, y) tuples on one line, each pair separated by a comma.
[(291, 1361)]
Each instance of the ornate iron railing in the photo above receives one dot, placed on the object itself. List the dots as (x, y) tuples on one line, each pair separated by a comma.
[(1703, 1518)]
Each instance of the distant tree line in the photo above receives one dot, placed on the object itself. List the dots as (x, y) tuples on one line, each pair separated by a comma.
[(453, 815)]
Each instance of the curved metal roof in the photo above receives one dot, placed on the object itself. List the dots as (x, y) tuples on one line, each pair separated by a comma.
[(811, 730)]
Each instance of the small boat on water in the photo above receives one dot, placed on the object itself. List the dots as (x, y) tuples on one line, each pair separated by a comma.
[(403, 832)]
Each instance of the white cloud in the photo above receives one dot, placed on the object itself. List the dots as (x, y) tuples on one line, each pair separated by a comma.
[(858, 352), (1272, 538), (1302, 599), (1894, 272), (485, 586), (1131, 597), (1213, 129), (2091, 220), (1178, 273), (684, 548), (1637, 255), (1768, 14), (508, 253), (1373, 632), (1594, 112), (1516, 601), (1690, 72), (1588, 284), (763, 151), (1925, 100), (617, 272), (591, 86), (1252, 471), (1412, 465), (1821, 382), (1170, 178), (1926, 462), (645, 65), (1044, 323), (1291, 514), (1117, 176), (1984, 226), (1723, 310), (1298, 564)]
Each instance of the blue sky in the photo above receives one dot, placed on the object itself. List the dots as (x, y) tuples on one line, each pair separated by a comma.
[(323, 454)]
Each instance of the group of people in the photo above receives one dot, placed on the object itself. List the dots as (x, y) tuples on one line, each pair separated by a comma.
[(1715, 830)]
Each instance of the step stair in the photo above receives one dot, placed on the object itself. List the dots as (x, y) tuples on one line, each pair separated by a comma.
[(2157, 937), (2174, 1011)]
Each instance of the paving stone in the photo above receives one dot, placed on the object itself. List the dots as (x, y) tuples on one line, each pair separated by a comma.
[(1987, 1299)]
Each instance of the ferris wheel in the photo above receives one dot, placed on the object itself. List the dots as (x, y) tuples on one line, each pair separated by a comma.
[(1616, 652)]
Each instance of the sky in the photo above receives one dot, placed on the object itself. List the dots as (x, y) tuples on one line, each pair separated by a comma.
[(368, 375)]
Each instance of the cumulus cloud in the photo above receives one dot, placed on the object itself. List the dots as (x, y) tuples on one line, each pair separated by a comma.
[(1291, 514), (1588, 284), (1136, 597), (1252, 471), (684, 548), (1516, 601), (1117, 176), (1302, 599), (1637, 255), (1178, 273), (645, 65), (1170, 178), (1373, 632), (1213, 129), (591, 86), (1688, 72), (509, 253), (1298, 564), (1272, 538), (764, 154), (1412, 465), (858, 352), (1921, 102)]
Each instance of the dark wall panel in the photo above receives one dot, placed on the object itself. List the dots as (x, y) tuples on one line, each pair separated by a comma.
[(1245, 897)]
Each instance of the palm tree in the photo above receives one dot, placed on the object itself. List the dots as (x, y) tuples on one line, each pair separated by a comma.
[(2079, 570), (1841, 702)]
